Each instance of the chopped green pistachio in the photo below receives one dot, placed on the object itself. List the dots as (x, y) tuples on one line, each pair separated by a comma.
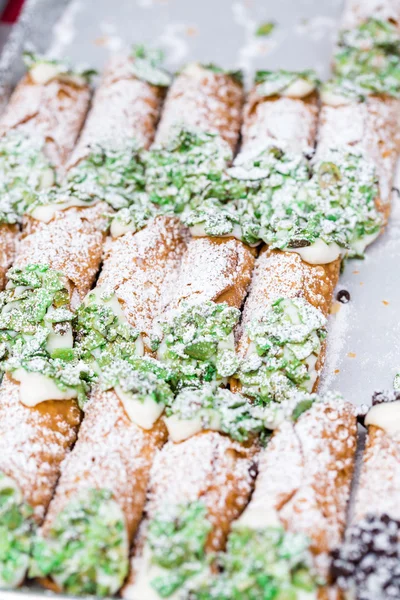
[(61, 68), (265, 29), (177, 537), (147, 66), (86, 550), (396, 382), (263, 563), (198, 343), (270, 83), (336, 205), (372, 33), (17, 528), (219, 409), (185, 168), (134, 217), (104, 336), (114, 174), (285, 344), (24, 170)]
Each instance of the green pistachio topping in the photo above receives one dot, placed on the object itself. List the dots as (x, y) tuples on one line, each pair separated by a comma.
[(147, 66), (104, 335), (24, 169), (266, 563), (86, 550), (198, 343), (373, 33), (367, 61), (177, 537), (286, 342), (134, 217), (36, 329), (58, 69), (336, 205), (220, 410), (112, 174), (185, 168), (271, 83), (17, 528)]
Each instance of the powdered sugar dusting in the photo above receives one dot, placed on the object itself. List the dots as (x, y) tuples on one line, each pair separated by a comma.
[(305, 474), (357, 11), (204, 100), (33, 442), (111, 453)]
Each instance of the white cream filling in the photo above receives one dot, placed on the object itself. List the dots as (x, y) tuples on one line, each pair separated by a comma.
[(35, 388), (43, 73), (199, 231), (46, 212), (145, 572), (335, 99), (56, 341), (386, 416), (256, 517), (118, 228), (318, 253), (182, 429), (360, 245), (145, 413), (298, 89), (195, 70)]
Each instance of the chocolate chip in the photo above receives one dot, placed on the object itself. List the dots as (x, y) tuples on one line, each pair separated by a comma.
[(343, 296)]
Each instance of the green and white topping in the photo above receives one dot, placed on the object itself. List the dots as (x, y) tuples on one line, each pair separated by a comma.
[(104, 334), (175, 549), (367, 61), (42, 70), (293, 84), (147, 66), (86, 550), (36, 337), (332, 214), (197, 343), (134, 217), (237, 75), (371, 34), (17, 528), (185, 168), (24, 170), (194, 410), (285, 345), (114, 174), (263, 563), (142, 386)]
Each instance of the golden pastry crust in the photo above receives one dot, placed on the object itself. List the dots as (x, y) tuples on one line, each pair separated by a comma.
[(124, 108), (71, 243), (289, 123), (34, 442), (379, 485), (142, 268), (111, 453), (209, 467), (304, 476), (8, 241), (283, 274), (217, 269), (55, 111), (203, 100), (370, 128)]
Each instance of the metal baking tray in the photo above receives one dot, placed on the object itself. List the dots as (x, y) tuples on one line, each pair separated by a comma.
[(364, 338)]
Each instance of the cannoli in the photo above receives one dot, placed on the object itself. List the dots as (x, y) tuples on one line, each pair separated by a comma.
[(366, 565), (37, 133), (48, 106), (197, 488), (298, 506), (357, 12), (121, 431), (45, 382), (206, 99), (281, 339), (281, 111)]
